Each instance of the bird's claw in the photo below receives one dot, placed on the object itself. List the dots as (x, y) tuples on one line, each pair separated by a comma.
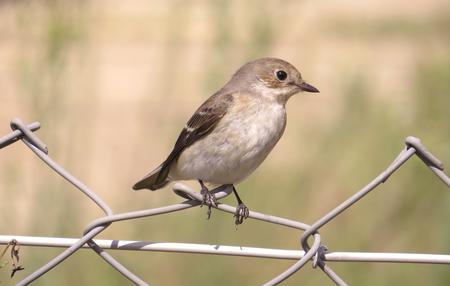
[(209, 200), (241, 213)]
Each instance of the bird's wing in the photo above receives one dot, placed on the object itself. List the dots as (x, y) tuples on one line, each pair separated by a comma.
[(200, 124), (203, 121)]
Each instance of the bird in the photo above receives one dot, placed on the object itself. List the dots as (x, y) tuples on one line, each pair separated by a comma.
[(232, 132)]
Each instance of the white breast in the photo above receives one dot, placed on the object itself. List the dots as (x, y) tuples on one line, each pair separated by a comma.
[(238, 144)]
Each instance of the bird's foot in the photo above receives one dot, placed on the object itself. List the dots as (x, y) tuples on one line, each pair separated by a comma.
[(208, 199), (241, 213)]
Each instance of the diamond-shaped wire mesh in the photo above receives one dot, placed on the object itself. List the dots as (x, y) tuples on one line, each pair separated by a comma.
[(315, 253)]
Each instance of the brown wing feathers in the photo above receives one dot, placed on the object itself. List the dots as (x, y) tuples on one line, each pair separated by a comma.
[(200, 124)]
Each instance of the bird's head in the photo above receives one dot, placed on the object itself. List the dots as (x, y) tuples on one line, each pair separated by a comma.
[(271, 77)]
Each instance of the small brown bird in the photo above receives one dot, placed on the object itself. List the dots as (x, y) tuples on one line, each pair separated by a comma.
[(233, 131)]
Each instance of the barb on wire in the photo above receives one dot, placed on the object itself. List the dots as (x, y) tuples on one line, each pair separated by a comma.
[(428, 158), (316, 253), (17, 124), (17, 135)]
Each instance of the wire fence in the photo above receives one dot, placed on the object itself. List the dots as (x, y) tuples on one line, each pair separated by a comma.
[(315, 252)]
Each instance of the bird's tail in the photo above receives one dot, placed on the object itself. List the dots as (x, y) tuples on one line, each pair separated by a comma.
[(156, 179)]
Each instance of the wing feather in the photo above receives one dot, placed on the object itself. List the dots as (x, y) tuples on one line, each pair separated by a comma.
[(200, 124)]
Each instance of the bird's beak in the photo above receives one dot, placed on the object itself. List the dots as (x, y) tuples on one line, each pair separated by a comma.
[(307, 87)]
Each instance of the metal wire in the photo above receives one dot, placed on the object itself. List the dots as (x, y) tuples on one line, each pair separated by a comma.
[(316, 253)]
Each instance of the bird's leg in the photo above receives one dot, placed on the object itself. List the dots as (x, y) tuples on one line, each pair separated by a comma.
[(208, 198), (242, 211)]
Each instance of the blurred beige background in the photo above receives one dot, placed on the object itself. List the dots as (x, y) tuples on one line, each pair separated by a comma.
[(113, 82)]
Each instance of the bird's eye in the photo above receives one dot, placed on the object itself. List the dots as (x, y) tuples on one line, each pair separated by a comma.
[(281, 75)]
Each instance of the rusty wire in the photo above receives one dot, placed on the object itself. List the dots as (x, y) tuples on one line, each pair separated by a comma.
[(315, 253)]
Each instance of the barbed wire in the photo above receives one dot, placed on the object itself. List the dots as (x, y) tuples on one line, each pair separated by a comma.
[(316, 252)]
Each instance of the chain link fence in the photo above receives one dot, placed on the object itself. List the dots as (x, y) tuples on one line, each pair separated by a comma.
[(315, 253)]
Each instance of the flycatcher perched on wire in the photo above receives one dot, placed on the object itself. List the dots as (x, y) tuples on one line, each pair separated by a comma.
[(233, 131)]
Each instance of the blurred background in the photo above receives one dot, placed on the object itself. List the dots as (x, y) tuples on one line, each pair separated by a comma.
[(113, 82)]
